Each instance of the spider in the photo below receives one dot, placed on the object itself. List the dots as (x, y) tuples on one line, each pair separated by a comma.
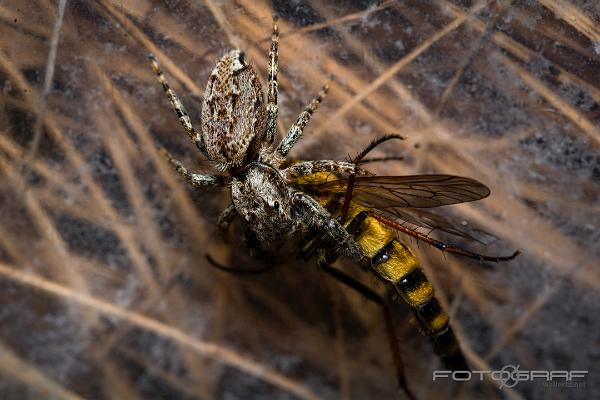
[(337, 201), (237, 133)]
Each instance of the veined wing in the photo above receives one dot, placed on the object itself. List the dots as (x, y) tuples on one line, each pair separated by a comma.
[(408, 197), (418, 191), (428, 219)]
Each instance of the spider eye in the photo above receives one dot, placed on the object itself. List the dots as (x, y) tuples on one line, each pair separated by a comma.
[(242, 57), (276, 204)]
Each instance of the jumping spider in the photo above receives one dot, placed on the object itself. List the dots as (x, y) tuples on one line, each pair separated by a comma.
[(237, 134)]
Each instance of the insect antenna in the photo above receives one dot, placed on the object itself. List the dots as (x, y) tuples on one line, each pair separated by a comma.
[(356, 160), (380, 159), (444, 247), (373, 144)]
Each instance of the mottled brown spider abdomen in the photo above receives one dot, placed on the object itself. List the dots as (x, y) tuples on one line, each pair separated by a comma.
[(233, 113)]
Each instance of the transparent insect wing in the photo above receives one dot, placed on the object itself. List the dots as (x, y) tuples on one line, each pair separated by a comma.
[(424, 218), (420, 191), (233, 113), (408, 198)]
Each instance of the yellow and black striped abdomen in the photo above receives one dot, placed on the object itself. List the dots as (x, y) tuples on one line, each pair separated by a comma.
[(394, 262)]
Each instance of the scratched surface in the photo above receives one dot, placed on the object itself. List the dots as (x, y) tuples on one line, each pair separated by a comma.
[(105, 288)]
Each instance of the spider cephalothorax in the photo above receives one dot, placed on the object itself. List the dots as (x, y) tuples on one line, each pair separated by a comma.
[(261, 191)]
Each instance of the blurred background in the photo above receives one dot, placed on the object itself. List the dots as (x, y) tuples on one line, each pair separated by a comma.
[(105, 290)]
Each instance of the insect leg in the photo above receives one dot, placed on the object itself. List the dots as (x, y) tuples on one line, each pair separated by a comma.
[(347, 280), (272, 108), (373, 296), (184, 118), (295, 132), (225, 218), (240, 271), (196, 180)]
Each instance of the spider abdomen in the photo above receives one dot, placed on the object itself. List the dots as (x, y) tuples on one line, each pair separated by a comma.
[(233, 113)]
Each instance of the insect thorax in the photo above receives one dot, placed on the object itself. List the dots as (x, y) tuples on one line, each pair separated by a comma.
[(233, 112), (264, 201)]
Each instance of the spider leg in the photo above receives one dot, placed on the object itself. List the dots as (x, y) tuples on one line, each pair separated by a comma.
[(252, 245), (249, 241), (184, 118), (272, 108), (196, 180), (316, 216), (225, 218), (295, 132), (373, 296), (312, 245), (304, 168)]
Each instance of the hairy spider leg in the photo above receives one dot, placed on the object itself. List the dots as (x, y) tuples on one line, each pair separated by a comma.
[(252, 246), (249, 241), (272, 108), (184, 118), (370, 294), (307, 168), (194, 179), (316, 216), (225, 218), (295, 132)]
